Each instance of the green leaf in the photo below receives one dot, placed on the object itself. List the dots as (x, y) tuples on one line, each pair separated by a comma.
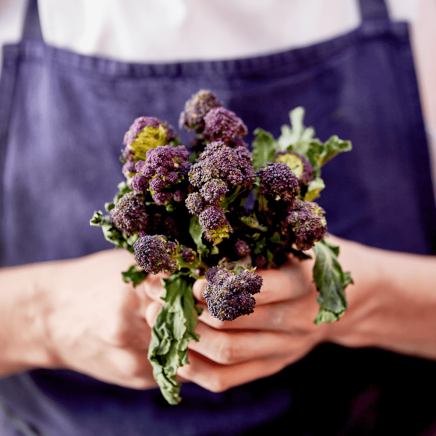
[(313, 189), (332, 148), (228, 199), (109, 206), (196, 231), (297, 137), (264, 148), (134, 275), (330, 281), (97, 219), (252, 222), (173, 329)]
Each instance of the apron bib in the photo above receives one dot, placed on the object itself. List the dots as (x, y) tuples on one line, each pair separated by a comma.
[(62, 121)]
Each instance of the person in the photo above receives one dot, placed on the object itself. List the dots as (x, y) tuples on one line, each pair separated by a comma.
[(74, 338)]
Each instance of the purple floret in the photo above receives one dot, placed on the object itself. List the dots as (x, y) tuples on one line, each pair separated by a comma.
[(195, 203), (139, 183), (214, 191), (306, 219), (128, 168), (242, 249), (260, 261), (188, 255), (222, 124), (214, 221), (210, 273), (181, 154), (139, 166), (253, 281), (298, 164), (137, 127), (157, 184), (166, 165), (161, 171), (218, 161), (179, 196), (154, 254), (129, 214), (228, 295), (278, 181), (172, 177), (195, 110), (162, 198), (212, 218), (161, 156)]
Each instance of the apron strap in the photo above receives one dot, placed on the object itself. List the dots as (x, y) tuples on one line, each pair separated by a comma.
[(32, 26), (373, 9)]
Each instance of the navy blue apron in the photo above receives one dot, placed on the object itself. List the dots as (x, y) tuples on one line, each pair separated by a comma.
[(62, 121)]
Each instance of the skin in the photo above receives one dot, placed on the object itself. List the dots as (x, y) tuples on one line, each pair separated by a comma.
[(78, 314)]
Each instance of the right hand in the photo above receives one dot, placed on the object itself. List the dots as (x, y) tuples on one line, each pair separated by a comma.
[(94, 322)]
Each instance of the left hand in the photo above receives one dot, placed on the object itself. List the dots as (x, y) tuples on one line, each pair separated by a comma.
[(279, 332)]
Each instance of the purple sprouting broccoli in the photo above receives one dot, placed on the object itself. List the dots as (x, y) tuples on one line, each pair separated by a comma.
[(145, 134), (234, 166), (307, 221), (277, 180), (241, 248), (218, 170), (188, 255), (222, 124), (298, 164), (129, 214), (260, 261), (192, 118), (155, 254), (214, 191), (195, 203), (165, 166), (214, 221), (178, 196), (139, 183), (229, 294)]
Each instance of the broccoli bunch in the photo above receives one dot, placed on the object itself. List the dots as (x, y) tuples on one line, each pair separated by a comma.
[(219, 211)]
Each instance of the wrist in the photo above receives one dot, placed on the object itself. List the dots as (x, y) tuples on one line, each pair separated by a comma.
[(367, 271), (23, 338)]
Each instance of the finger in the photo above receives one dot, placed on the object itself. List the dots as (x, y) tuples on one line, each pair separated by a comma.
[(219, 378), (151, 312), (230, 347), (293, 316), (198, 289), (291, 280), (153, 286)]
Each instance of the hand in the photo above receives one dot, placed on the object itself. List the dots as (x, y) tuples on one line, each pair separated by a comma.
[(95, 323), (391, 305), (278, 333)]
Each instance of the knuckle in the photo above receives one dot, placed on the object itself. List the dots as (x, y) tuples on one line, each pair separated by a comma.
[(131, 366), (119, 334), (218, 383), (226, 352)]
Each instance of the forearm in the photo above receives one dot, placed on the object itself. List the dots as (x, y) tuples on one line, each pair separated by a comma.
[(392, 304), (23, 342)]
